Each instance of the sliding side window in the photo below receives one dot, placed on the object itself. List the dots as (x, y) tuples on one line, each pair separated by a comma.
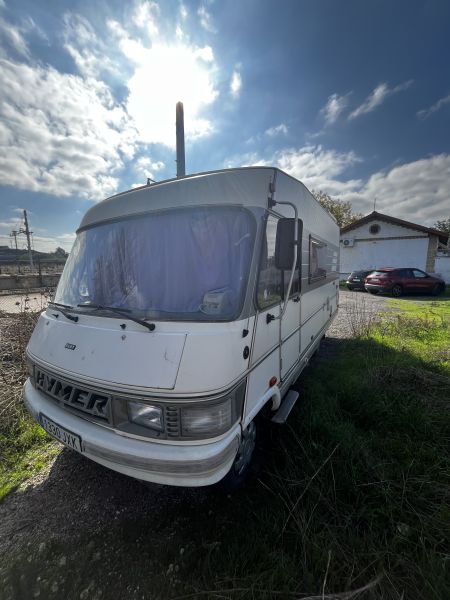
[(317, 260)]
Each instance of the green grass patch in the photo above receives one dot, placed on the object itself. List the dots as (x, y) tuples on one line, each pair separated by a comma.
[(25, 450), (354, 495)]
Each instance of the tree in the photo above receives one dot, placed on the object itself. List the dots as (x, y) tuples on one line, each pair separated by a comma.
[(340, 209), (60, 252), (443, 225)]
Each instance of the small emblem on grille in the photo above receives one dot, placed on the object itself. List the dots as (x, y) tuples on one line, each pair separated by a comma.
[(70, 346)]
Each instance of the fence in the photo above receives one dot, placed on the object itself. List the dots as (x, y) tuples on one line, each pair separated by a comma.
[(24, 301)]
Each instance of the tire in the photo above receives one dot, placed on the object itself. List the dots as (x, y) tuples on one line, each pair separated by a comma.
[(396, 290), (248, 458), (437, 289), (373, 292)]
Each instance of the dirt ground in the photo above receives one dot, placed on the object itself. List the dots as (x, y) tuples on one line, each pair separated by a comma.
[(75, 503)]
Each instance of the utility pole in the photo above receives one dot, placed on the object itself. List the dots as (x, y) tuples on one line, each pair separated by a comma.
[(181, 167), (14, 234), (28, 233)]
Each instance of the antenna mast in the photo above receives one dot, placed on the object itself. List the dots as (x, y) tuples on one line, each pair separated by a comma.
[(14, 234), (181, 167), (28, 233)]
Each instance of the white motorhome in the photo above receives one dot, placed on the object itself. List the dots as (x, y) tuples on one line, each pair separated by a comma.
[(185, 310)]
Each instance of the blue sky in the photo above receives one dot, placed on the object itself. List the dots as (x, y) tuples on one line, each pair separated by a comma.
[(352, 97)]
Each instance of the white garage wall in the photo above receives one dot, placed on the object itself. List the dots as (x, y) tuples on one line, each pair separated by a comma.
[(442, 267), (384, 253)]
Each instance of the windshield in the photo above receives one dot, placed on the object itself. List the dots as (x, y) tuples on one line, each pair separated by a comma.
[(188, 264)]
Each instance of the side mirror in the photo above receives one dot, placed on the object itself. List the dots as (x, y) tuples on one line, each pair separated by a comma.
[(284, 243)]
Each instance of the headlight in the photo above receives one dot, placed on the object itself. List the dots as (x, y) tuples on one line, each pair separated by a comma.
[(146, 415), (208, 419)]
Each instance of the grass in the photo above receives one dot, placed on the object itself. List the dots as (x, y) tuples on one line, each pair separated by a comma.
[(24, 446), (353, 500)]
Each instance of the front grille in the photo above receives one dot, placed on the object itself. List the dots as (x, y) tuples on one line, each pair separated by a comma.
[(80, 399)]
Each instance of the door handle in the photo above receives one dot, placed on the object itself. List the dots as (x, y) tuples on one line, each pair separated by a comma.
[(296, 299), (269, 318)]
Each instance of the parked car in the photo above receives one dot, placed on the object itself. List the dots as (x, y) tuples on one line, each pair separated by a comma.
[(403, 281), (355, 281)]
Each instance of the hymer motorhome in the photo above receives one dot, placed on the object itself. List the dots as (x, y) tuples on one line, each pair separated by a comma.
[(185, 309)]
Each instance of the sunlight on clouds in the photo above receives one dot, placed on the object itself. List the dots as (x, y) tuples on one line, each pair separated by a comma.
[(165, 75)]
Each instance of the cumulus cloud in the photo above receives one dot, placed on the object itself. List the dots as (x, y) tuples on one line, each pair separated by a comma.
[(377, 97), (206, 20), (235, 84), (417, 191), (89, 52), (424, 114), (60, 134), (146, 166), (280, 129), (334, 107)]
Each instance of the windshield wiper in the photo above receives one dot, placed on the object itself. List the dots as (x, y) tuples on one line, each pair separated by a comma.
[(124, 312), (66, 314)]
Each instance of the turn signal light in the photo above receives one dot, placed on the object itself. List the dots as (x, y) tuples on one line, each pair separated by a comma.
[(272, 381)]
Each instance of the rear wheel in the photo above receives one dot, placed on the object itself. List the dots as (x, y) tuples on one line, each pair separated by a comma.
[(397, 290)]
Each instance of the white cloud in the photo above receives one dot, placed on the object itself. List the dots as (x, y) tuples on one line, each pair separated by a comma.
[(235, 84), (183, 12), (277, 130), (89, 52), (206, 20), (145, 16), (147, 167), (14, 38), (65, 136), (417, 191), (377, 97), (205, 53), (334, 107), (424, 114)]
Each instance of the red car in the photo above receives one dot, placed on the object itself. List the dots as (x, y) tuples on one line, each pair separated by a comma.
[(403, 281)]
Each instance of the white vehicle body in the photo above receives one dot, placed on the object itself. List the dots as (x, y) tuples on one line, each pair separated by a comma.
[(170, 405)]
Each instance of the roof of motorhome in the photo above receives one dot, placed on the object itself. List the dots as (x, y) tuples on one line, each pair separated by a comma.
[(244, 186)]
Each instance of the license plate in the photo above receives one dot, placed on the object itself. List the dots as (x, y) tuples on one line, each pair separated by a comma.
[(356, 279), (374, 281), (60, 433)]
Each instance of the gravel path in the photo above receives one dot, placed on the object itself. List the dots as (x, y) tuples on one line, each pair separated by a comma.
[(74, 498)]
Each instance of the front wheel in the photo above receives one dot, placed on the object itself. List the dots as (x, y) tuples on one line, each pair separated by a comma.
[(246, 458), (437, 289), (397, 290)]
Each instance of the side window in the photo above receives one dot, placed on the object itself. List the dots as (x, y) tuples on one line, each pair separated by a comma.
[(317, 260), (419, 274), (270, 278)]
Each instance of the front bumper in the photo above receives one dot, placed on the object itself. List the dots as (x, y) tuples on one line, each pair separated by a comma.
[(183, 463)]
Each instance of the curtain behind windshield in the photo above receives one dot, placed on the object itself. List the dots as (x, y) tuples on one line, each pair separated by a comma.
[(178, 261)]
